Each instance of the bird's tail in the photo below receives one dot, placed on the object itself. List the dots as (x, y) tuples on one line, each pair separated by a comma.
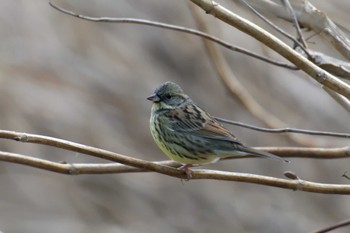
[(263, 153)]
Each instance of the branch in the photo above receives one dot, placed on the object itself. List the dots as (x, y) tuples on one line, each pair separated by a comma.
[(176, 28), (274, 43), (289, 130), (77, 169), (315, 152)]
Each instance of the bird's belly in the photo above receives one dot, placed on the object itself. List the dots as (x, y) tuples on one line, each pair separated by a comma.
[(181, 149)]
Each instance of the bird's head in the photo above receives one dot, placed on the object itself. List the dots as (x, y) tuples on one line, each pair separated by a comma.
[(168, 95)]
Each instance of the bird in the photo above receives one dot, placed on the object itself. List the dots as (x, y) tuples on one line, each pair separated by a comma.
[(188, 134)]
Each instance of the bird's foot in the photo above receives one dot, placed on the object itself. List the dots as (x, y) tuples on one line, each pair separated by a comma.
[(186, 169)]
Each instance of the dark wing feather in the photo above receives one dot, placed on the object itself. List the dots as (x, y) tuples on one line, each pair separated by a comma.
[(192, 120)]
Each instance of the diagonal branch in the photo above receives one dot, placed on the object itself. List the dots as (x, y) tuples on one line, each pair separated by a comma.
[(274, 43)]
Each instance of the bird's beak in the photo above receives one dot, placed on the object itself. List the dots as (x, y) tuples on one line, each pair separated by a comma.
[(154, 98)]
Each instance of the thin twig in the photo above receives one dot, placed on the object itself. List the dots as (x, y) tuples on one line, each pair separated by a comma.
[(314, 152), (78, 169), (333, 227), (345, 175), (296, 23), (176, 28), (274, 26), (285, 130)]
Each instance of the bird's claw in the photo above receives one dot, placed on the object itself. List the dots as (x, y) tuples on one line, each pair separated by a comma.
[(186, 169)]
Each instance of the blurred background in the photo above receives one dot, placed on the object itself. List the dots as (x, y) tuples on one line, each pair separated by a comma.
[(88, 82)]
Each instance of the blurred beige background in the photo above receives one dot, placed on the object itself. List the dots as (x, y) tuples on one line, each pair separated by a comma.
[(88, 82)]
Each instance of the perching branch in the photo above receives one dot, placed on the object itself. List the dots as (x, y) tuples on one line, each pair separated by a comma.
[(129, 164), (78, 169), (176, 28), (274, 43)]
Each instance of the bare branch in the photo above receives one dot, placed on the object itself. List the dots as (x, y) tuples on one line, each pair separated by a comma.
[(274, 43), (77, 169), (286, 130), (177, 28)]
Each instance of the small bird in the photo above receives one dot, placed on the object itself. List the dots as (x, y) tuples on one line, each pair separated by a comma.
[(189, 135)]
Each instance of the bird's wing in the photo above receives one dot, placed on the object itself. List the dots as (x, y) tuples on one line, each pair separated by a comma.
[(194, 121)]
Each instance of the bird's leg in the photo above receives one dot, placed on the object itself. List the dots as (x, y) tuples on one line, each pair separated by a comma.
[(186, 168)]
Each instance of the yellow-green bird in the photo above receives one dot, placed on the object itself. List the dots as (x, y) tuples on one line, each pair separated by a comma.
[(189, 135)]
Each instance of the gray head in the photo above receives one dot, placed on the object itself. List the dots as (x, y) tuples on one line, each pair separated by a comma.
[(168, 95)]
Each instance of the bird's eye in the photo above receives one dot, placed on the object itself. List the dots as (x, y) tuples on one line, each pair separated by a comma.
[(168, 96)]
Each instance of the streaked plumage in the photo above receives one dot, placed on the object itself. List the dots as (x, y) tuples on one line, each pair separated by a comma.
[(188, 134)]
